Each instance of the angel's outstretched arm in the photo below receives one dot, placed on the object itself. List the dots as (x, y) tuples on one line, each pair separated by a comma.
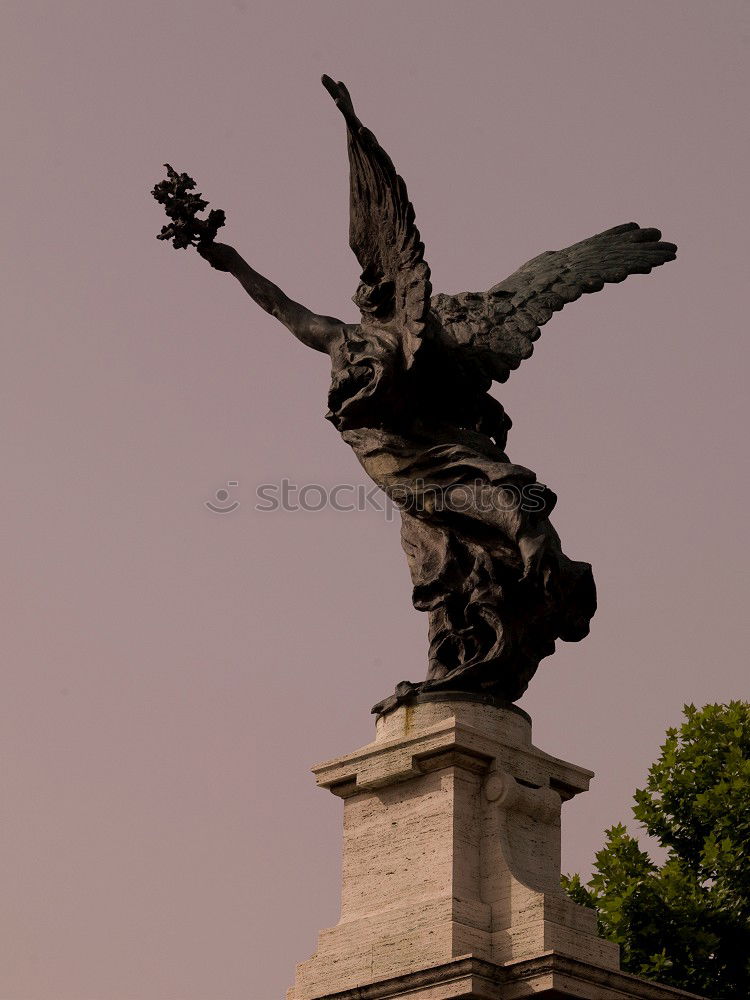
[(318, 332)]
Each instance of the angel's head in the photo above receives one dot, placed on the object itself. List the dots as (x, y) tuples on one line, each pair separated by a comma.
[(374, 295)]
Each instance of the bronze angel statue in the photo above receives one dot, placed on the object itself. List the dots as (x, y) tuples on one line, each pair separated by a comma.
[(410, 394)]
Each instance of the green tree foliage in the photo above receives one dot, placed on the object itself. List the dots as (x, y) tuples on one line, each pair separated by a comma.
[(685, 923)]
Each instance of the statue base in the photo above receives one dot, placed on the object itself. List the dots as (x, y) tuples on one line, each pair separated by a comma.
[(451, 867)]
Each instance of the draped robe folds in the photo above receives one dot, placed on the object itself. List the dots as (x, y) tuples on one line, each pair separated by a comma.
[(488, 630)]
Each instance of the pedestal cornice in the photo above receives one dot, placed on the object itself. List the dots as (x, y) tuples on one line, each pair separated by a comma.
[(403, 750), (545, 977)]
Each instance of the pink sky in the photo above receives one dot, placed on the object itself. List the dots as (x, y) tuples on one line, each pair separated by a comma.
[(170, 674)]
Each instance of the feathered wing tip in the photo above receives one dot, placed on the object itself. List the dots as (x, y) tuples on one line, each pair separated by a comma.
[(395, 289), (342, 99)]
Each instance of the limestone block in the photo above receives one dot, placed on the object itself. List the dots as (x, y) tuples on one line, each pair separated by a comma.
[(451, 850)]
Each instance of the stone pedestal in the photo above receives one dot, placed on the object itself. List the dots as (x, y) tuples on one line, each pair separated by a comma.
[(451, 867)]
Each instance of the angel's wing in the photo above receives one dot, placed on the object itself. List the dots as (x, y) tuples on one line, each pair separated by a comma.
[(495, 331), (394, 293)]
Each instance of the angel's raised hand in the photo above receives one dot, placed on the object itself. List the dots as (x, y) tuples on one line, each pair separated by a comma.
[(219, 255)]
